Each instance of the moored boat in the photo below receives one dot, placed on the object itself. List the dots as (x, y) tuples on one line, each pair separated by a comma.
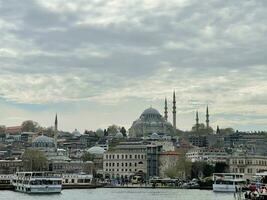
[(37, 182), (228, 182)]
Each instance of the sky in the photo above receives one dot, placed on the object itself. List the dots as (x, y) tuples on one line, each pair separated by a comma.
[(102, 62)]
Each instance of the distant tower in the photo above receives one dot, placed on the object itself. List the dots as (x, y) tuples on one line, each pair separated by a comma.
[(174, 111), (207, 118), (218, 130), (166, 110), (197, 122), (56, 132)]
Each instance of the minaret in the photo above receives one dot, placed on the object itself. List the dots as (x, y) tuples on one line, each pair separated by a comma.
[(166, 110), (197, 122), (174, 111), (218, 130), (56, 132), (207, 118)]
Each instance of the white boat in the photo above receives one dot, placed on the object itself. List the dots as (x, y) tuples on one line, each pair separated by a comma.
[(77, 181), (228, 182), (37, 182)]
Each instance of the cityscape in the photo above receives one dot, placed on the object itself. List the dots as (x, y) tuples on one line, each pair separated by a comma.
[(140, 99)]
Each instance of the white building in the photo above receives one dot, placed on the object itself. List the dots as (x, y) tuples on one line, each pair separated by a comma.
[(211, 155)]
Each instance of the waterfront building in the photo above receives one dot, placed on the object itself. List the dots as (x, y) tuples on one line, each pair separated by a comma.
[(10, 166), (210, 155), (72, 166), (150, 122), (125, 160), (247, 164)]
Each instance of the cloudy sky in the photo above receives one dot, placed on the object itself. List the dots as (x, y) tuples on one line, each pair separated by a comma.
[(102, 62)]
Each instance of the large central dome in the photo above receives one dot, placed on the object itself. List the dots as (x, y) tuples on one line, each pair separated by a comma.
[(150, 111), (150, 121)]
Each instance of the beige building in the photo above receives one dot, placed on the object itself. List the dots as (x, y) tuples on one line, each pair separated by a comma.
[(125, 160), (247, 164)]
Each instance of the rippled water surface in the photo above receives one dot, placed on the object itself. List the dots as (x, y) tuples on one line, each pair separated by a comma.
[(122, 194)]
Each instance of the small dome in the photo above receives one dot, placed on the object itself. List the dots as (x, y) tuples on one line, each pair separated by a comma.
[(154, 136), (119, 135), (151, 111), (43, 141), (76, 133), (96, 150)]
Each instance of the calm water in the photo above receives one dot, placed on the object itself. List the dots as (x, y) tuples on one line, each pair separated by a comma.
[(122, 194)]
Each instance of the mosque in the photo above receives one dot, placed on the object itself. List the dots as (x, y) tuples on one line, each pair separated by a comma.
[(151, 122)]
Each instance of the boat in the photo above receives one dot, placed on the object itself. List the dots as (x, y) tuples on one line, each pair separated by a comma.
[(5, 181), (37, 182), (79, 181), (257, 189), (228, 182)]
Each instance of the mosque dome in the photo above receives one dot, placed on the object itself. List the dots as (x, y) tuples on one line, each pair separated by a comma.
[(119, 135), (150, 121), (96, 150), (43, 141), (150, 111), (154, 136), (76, 133)]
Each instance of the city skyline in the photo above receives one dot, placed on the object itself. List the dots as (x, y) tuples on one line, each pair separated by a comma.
[(100, 63)]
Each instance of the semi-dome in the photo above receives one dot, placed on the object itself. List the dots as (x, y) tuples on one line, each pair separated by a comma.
[(150, 111), (154, 136), (76, 133), (119, 135), (96, 150), (43, 141)]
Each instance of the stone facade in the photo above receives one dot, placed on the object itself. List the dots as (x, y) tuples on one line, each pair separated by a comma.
[(125, 161), (247, 164)]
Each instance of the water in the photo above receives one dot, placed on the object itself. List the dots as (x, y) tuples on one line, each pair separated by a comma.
[(122, 194)]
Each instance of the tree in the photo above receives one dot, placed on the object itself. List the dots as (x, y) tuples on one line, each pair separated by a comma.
[(182, 169), (227, 131), (202, 129), (113, 129), (100, 133), (221, 167), (2, 129), (30, 126), (34, 160), (87, 157), (201, 169), (123, 131)]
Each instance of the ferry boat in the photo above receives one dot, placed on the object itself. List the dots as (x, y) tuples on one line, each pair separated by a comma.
[(77, 181), (5, 181), (228, 182), (37, 182)]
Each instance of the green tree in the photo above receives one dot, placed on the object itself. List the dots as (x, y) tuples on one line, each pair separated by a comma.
[(30, 126), (34, 160), (227, 131), (202, 129), (208, 170), (113, 129), (99, 133), (182, 169), (2, 129), (123, 131), (221, 167), (87, 157)]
